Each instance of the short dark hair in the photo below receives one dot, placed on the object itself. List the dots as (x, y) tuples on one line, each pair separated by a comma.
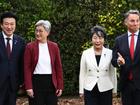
[(131, 12), (7, 15), (98, 29)]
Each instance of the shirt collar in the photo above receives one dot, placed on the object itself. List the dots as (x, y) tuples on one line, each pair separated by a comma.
[(5, 36), (136, 33)]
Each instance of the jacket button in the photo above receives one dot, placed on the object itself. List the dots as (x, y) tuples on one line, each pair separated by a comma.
[(97, 70), (97, 76)]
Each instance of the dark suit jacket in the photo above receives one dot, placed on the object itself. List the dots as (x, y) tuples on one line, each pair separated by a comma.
[(31, 59), (122, 46), (11, 68)]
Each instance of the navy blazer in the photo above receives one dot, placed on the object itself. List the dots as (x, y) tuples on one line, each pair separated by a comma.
[(122, 46), (12, 67)]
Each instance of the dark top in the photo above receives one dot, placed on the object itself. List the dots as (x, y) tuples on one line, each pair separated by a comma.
[(98, 59)]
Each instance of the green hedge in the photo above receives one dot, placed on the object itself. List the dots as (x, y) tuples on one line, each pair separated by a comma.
[(71, 23)]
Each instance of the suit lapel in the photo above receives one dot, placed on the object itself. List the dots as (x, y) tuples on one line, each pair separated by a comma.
[(51, 52), (137, 50), (36, 52), (103, 57), (126, 44), (15, 44), (92, 59)]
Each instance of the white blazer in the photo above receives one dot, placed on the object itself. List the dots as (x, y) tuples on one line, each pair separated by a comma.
[(103, 75)]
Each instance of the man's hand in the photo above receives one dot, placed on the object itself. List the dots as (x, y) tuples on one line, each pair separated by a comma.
[(120, 60)]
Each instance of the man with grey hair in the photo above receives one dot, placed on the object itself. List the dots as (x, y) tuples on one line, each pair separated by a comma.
[(126, 56)]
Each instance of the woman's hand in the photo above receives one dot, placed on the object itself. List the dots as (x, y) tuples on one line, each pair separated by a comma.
[(81, 95), (30, 93), (58, 92)]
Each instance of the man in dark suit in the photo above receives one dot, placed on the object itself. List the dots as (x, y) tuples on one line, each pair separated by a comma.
[(11, 56), (126, 56)]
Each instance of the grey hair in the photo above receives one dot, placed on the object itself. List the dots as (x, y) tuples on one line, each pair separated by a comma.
[(131, 12), (45, 23)]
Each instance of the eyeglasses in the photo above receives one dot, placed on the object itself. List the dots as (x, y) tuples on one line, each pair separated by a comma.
[(40, 31)]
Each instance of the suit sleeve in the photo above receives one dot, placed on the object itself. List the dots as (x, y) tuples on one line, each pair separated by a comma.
[(113, 74), (21, 62), (82, 73), (114, 54), (27, 68), (58, 68)]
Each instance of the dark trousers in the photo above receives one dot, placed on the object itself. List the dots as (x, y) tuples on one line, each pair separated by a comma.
[(7, 94), (130, 95), (44, 91), (95, 97)]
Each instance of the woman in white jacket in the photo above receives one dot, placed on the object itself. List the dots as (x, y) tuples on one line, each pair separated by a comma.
[(97, 75)]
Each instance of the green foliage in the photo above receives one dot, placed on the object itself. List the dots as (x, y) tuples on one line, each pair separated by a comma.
[(86, 45), (71, 22), (4, 6)]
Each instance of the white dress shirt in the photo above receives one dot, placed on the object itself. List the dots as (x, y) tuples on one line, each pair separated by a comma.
[(10, 41), (135, 38)]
